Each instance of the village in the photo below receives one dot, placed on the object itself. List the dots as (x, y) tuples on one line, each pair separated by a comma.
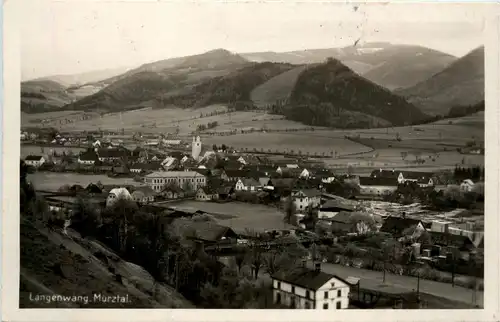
[(434, 220)]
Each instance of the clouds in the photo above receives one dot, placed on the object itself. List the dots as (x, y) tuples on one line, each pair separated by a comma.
[(66, 37)]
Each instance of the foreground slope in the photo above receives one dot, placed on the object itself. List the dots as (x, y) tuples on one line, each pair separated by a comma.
[(328, 90), (56, 264), (460, 84)]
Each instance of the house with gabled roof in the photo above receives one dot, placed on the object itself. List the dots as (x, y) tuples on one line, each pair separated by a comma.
[(207, 232), (206, 194), (305, 288), (34, 160), (377, 186), (397, 226), (143, 195), (247, 184), (304, 198), (235, 175)]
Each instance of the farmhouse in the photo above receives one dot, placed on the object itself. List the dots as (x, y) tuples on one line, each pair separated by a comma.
[(207, 232), (111, 154), (376, 186), (172, 191), (88, 157), (206, 194), (34, 160), (310, 289), (247, 184), (467, 185), (157, 180), (143, 195), (305, 198), (235, 175), (331, 208), (423, 179), (398, 226)]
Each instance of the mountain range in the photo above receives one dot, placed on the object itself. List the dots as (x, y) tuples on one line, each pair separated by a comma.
[(376, 84), (459, 84)]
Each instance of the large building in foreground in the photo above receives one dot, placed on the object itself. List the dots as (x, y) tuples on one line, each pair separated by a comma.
[(310, 289), (158, 180)]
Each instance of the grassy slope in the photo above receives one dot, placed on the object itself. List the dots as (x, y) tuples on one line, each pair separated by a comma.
[(327, 90), (80, 272), (404, 66), (461, 83), (234, 87), (277, 88), (43, 93), (143, 85), (388, 65)]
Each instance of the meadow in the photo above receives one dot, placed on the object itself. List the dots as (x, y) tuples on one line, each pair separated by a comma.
[(45, 151), (382, 147), (53, 181), (241, 216)]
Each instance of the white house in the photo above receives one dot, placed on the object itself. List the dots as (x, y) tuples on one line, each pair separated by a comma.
[(34, 160), (247, 184), (157, 180), (242, 160), (96, 144), (310, 289), (304, 198), (467, 185), (116, 194), (305, 174)]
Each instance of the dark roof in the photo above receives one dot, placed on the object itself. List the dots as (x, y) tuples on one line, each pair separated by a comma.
[(233, 165), (250, 182), (33, 158), (396, 225), (205, 172), (283, 183), (152, 165), (445, 239), (93, 188), (335, 204), (204, 230), (111, 153), (309, 192), (147, 191), (304, 277), (377, 181), (417, 175), (342, 217), (235, 173), (389, 174), (208, 190), (88, 155)]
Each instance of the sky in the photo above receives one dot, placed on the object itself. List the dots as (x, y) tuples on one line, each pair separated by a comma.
[(70, 37)]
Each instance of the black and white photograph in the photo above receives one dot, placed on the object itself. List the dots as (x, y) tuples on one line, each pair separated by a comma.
[(258, 155)]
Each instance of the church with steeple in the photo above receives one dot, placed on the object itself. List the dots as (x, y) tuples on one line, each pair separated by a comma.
[(196, 147)]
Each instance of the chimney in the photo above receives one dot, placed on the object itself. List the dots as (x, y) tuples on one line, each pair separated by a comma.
[(317, 267)]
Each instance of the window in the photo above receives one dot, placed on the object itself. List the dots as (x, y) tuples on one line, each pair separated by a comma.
[(308, 305), (307, 294), (339, 305), (325, 306), (278, 298), (279, 285), (293, 289), (326, 294), (339, 293)]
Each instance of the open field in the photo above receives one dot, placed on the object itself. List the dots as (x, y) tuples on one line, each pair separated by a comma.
[(45, 151), (312, 142), (53, 181), (243, 216)]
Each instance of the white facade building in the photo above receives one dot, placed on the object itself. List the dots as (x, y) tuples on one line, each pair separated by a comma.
[(196, 147), (158, 180), (34, 160), (311, 289)]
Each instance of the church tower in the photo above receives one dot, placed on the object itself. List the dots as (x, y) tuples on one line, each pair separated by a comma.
[(196, 147)]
